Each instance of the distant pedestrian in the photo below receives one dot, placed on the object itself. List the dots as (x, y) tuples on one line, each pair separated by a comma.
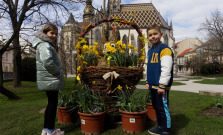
[(159, 79), (49, 74)]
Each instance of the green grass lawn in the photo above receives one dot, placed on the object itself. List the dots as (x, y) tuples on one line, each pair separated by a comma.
[(217, 81), (174, 83), (22, 117)]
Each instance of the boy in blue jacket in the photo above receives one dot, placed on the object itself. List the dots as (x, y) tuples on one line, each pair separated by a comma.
[(159, 79)]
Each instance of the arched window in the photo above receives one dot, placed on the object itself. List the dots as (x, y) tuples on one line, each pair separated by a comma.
[(97, 36), (133, 42), (67, 43), (166, 39), (125, 39), (114, 8)]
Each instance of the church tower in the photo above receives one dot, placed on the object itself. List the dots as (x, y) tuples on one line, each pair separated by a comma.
[(68, 40), (88, 11), (114, 6)]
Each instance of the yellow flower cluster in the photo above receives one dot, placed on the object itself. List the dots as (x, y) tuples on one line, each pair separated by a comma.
[(78, 46), (120, 46), (143, 39), (85, 48), (131, 46), (110, 48), (143, 54)]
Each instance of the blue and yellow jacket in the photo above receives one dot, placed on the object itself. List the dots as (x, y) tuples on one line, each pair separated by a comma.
[(160, 67)]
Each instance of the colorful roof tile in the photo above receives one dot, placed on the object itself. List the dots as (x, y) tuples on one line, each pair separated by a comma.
[(146, 14)]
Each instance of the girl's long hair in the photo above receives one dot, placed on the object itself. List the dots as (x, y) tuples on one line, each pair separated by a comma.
[(51, 27)]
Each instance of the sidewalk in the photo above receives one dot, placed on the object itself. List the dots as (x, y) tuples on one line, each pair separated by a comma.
[(193, 87)]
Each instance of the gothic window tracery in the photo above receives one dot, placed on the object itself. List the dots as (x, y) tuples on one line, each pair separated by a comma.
[(97, 36), (67, 43), (125, 39), (166, 39), (133, 42)]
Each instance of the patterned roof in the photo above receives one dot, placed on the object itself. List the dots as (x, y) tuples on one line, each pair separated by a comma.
[(146, 14)]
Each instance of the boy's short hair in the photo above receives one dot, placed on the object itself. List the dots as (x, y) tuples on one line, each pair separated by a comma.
[(154, 26)]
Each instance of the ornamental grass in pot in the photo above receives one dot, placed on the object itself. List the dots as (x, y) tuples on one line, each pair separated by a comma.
[(66, 101), (92, 108), (132, 106)]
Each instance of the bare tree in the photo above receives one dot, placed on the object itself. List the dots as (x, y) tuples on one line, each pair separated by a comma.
[(26, 15), (213, 26)]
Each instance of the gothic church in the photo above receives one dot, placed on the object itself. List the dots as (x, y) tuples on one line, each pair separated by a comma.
[(146, 14)]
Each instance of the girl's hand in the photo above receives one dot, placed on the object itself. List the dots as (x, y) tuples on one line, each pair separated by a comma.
[(147, 86)]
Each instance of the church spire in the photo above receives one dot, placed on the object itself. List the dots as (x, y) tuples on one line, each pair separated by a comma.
[(71, 19)]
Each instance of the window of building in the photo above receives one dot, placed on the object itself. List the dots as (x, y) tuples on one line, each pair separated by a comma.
[(6, 56), (125, 39), (97, 36), (166, 40)]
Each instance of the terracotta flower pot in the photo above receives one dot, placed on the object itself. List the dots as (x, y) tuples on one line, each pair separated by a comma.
[(92, 124), (133, 122), (151, 113), (64, 116)]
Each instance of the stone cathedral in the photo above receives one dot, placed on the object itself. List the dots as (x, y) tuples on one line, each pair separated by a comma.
[(146, 14)]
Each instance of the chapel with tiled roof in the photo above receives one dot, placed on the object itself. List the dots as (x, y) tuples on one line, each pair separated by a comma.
[(145, 15)]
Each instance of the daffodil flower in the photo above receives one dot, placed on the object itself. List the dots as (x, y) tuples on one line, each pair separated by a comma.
[(119, 87)]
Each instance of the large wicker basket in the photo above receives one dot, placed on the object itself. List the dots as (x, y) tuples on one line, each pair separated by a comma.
[(93, 76), (127, 76)]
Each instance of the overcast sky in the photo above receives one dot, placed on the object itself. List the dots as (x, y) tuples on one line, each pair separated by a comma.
[(186, 15)]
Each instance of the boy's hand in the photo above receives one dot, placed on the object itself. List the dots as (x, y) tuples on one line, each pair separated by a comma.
[(161, 91), (147, 86)]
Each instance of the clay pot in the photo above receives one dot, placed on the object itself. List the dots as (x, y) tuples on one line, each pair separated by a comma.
[(92, 124), (151, 113), (64, 115), (133, 122)]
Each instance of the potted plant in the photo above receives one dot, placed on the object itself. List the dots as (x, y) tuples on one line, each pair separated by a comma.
[(151, 113), (92, 108), (132, 106), (66, 101)]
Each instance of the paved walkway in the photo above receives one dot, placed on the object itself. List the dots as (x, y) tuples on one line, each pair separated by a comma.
[(193, 87)]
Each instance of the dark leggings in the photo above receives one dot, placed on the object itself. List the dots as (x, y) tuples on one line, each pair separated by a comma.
[(51, 109)]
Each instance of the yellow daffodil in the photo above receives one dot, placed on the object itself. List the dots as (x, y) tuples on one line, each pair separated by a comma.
[(130, 46), (85, 48), (84, 62), (119, 87), (118, 42), (123, 46), (78, 68), (78, 78), (135, 49), (95, 43)]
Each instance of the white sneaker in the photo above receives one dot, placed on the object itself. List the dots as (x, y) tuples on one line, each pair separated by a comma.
[(57, 132), (44, 132)]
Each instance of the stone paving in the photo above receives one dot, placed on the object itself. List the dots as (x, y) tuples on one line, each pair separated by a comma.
[(203, 89)]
